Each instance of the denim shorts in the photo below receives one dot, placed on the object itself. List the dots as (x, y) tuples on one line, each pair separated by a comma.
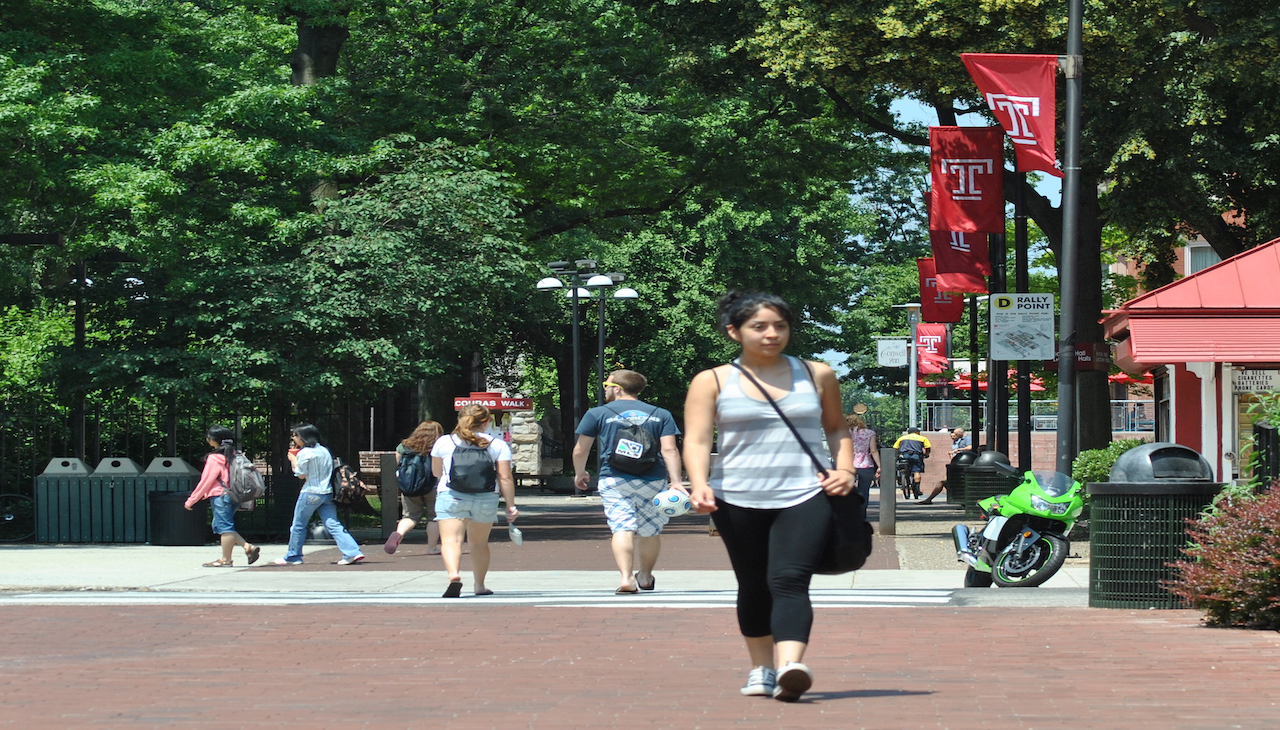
[(224, 514), (451, 505)]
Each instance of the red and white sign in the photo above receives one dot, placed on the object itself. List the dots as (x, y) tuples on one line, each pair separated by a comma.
[(1019, 88), (967, 167), (960, 261), (931, 345), (935, 304), (494, 402)]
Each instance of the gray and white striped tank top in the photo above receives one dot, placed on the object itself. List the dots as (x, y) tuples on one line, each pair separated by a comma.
[(760, 463)]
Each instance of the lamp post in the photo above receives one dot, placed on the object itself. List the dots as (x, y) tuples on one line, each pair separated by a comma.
[(574, 271), (913, 318), (600, 282)]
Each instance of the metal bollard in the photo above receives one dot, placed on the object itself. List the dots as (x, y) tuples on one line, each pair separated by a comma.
[(389, 491), (888, 495)]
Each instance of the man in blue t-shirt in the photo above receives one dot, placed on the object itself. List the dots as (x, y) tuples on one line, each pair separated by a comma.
[(628, 498)]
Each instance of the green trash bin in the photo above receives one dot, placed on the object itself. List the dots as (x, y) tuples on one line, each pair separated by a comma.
[(1138, 524), (956, 469), (61, 501), (117, 503), (982, 479)]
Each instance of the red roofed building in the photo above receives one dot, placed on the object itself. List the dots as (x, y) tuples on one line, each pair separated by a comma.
[(1212, 339)]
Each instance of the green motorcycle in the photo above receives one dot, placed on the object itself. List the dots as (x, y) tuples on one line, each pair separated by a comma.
[(1025, 539)]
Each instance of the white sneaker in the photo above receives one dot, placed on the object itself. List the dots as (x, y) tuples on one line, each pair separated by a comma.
[(759, 682), (793, 680), (350, 561)]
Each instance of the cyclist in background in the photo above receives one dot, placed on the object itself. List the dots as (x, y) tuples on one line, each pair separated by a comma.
[(914, 449)]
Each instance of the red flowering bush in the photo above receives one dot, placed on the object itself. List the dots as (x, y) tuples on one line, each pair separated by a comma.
[(1234, 574)]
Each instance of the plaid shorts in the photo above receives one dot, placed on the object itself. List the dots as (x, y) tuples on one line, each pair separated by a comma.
[(628, 505)]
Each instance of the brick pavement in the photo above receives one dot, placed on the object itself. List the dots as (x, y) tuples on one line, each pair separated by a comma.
[(476, 666)]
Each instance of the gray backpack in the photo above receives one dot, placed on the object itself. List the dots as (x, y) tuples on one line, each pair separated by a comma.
[(472, 469), (244, 482)]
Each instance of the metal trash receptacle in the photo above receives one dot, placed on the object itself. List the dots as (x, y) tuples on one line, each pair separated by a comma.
[(61, 500), (982, 479), (171, 523), (956, 469), (117, 503), (1138, 524)]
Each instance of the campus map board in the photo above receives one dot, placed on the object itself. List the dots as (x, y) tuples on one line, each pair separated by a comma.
[(1022, 327)]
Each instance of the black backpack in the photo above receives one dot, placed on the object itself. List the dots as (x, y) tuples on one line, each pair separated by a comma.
[(472, 470), (636, 450), (414, 475)]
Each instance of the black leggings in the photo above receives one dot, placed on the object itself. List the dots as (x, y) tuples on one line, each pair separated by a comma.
[(774, 553)]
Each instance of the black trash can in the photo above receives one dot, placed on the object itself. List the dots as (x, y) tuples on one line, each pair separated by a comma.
[(956, 469), (1138, 524), (172, 523), (982, 479)]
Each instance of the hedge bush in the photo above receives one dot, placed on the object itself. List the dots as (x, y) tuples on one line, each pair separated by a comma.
[(1095, 465), (1234, 574)]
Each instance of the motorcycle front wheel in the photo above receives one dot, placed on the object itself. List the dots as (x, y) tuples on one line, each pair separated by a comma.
[(1033, 566)]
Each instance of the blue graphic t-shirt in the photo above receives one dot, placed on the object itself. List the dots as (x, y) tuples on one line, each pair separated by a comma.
[(602, 423)]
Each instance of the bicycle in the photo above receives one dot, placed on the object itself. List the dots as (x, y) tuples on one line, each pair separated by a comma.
[(903, 477), (17, 517)]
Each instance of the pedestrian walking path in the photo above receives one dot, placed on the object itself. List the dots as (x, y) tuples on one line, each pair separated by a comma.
[(686, 599)]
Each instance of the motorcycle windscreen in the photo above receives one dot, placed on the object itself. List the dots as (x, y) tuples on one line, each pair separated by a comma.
[(1053, 483)]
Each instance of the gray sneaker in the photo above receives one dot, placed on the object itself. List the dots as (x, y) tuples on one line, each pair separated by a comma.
[(794, 679), (759, 682)]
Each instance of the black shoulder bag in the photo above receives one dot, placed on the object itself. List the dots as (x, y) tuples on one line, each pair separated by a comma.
[(849, 538)]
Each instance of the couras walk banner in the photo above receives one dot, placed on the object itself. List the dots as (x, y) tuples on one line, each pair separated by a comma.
[(967, 169), (1019, 88)]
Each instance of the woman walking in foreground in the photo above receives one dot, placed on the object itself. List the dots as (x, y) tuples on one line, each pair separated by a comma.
[(763, 493)]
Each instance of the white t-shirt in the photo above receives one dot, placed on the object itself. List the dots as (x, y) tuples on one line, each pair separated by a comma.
[(499, 450)]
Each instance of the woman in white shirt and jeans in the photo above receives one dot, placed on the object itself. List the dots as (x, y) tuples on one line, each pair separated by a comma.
[(314, 463), (471, 512)]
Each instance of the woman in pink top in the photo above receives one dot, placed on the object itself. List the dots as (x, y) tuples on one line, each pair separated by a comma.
[(866, 457), (212, 480)]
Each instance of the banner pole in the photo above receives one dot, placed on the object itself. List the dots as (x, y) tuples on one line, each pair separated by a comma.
[(1022, 283), (1067, 279)]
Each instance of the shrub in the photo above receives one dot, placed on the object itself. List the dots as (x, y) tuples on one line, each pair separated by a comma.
[(1235, 574), (1095, 465)]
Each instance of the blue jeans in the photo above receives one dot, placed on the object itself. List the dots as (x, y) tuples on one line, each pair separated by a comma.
[(308, 504), (224, 514)]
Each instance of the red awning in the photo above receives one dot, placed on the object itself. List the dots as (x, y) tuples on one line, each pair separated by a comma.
[(1229, 312), (1162, 340)]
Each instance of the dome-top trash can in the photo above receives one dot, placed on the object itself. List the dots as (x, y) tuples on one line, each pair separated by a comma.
[(1138, 524), (956, 468), (984, 479)]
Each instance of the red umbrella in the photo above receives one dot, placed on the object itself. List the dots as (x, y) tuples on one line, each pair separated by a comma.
[(1127, 379), (1037, 384)]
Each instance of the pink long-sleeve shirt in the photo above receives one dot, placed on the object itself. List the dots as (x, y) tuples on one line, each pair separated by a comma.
[(211, 479)]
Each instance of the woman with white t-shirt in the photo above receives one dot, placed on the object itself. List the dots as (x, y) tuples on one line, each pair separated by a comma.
[(471, 505)]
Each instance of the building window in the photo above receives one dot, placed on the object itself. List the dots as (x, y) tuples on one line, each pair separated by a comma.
[(1200, 258)]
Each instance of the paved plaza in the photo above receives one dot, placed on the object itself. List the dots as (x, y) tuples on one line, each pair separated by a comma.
[(141, 636)]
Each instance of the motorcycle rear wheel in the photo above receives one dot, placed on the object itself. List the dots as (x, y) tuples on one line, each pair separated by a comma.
[(1032, 566), (974, 578)]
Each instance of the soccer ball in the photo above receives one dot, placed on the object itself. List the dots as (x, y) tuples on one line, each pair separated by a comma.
[(672, 503)]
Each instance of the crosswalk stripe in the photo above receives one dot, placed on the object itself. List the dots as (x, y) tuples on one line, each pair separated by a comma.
[(822, 598)]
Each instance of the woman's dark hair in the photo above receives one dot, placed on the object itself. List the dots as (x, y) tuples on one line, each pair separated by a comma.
[(225, 438), (737, 307), (309, 434)]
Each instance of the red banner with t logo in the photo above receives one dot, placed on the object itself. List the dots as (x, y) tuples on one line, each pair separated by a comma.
[(935, 304), (960, 261), (931, 347), (967, 167), (1019, 88)]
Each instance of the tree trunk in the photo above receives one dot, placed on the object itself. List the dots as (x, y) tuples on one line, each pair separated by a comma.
[(318, 50), (1093, 396)]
